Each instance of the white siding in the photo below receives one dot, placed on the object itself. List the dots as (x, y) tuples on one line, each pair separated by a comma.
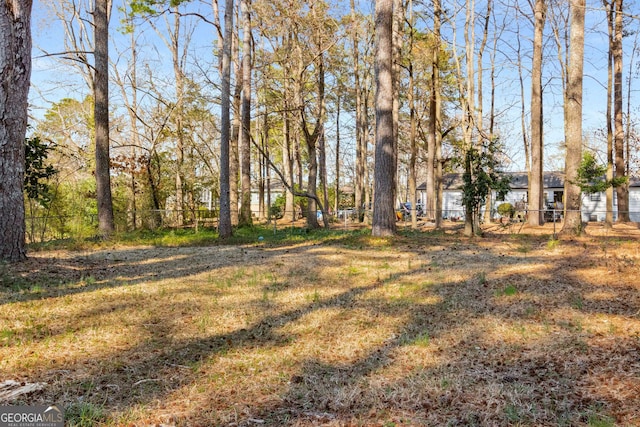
[(592, 208), (597, 209), (634, 204), (452, 204)]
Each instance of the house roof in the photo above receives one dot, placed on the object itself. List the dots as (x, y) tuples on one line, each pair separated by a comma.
[(519, 181)]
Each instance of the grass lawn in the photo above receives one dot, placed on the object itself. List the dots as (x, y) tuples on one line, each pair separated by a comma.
[(330, 328)]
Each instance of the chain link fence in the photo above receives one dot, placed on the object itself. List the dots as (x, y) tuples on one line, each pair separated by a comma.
[(47, 228), (41, 229)]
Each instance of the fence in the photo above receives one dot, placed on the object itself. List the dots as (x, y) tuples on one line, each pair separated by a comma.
[(47, 228)]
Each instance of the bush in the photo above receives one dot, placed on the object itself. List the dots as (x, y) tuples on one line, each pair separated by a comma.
[(506, 209)]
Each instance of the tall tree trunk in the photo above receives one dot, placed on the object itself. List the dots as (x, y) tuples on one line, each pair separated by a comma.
[(396, 40), (609, 117), (536, 179), (179, 114), (265, 172), (132, 107), (384, 218), (236, 123), (413, 155), (322, 154), (287, 150), (622, 191), (367, 139), (101, 117), (245, 149), (430, 203), (480, 104), (15, 74), (413, 146), (467, 92), (435, 135), (224, 223), (287, 161), (361, 147), (573, 119), (627, 134), (311, 140), (336, 203), (523, 114), (312, 180), (322, 166)]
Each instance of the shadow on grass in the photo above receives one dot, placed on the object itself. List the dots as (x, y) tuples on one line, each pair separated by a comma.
[(560, 375)]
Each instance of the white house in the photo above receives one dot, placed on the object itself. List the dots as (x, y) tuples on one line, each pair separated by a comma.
[(273, 189), (593, 206)]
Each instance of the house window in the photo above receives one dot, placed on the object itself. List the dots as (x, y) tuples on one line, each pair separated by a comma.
[(595, 197)]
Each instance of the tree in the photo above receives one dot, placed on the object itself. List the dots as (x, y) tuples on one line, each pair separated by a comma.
[(536, 178), (37, 172), (101, 115), (591, 176), (224, 225), (573, 119), (37, 188), (236, 124), (77, 46), (620, 169), (481, 175), (176, 35), (15, 72), (360, 116), (609, 172), (384, 217), (435, 135), (245, 144), (413, 123)]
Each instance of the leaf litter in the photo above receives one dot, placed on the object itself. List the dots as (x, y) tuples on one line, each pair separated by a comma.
[(427, 329)]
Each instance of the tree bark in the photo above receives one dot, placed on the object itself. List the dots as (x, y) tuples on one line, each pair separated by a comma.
[(224, 223), (15, 74), (101, 117), (622, 191), (361, 142), (384, 218), (435, 119), (287, 149), (245, 146), (396, 40), (322, 169), (573, 119), (413, 146), (609, 117), (536, 178), (523, 114), (236, 123), (337, 183)]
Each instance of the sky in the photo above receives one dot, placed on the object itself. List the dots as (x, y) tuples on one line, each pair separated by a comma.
[(53, 80)]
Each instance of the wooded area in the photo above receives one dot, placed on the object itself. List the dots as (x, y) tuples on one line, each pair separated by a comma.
[(214, 107)]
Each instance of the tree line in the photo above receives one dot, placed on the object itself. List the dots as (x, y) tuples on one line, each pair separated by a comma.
[(182, 98)]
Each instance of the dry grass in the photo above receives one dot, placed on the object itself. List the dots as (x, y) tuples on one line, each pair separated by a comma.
[(428, 329)]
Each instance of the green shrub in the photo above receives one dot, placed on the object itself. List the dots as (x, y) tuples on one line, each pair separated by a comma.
[(506, 209)]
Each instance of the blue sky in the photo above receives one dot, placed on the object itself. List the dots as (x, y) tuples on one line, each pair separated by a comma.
[(53, 80)]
